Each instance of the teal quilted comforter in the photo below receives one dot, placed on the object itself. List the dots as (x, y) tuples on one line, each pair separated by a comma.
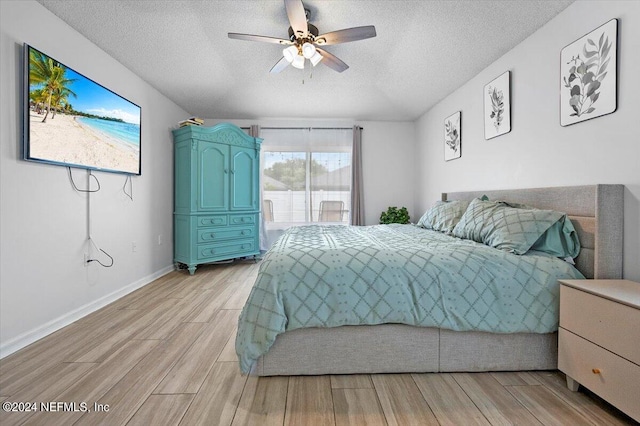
[(329, 276)]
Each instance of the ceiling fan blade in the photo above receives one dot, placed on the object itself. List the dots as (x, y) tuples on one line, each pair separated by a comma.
[(332, 61), (251, 37), (297, 17), (346, 35), (279, 66)]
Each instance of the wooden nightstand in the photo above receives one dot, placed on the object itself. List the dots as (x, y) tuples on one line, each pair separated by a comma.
[(599, 340)]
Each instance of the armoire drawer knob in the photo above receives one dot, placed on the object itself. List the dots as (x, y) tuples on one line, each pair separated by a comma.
[(596, 371)]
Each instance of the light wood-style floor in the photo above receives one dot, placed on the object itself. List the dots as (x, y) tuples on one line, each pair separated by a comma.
[(164, 355)]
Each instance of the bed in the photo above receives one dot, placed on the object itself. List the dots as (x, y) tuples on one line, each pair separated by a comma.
[(391, 345)]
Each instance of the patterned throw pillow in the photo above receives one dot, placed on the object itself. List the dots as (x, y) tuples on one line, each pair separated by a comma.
[(443, 216), (507, 228)]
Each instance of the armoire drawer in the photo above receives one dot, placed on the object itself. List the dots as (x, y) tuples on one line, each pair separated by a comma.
[(242, 219), (216, 220), (608, 375), (210, 235), (240, 247)]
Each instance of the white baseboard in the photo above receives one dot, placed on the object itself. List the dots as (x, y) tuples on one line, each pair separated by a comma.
[(37, 333)]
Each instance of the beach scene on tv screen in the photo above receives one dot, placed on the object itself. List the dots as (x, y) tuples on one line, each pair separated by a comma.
[(75, 121)]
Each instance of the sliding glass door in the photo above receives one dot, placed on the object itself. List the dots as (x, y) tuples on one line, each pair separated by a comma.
[(306, 176)]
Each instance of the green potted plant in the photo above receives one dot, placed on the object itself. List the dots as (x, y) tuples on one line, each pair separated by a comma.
[(395, 215)]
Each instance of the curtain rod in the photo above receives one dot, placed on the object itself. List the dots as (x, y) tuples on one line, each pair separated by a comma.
[(303, 128)]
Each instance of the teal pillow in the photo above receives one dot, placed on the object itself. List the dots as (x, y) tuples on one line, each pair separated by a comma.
[(443, 216), (506, 228), (560, 240)]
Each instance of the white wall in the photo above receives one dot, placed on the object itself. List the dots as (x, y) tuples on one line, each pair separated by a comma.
[(538, 151), (387, 159), (43, 223)]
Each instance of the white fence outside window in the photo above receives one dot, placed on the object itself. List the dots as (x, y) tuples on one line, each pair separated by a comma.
[(291, 207)]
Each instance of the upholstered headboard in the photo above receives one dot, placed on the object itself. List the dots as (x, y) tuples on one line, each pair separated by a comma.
[(596, 212)]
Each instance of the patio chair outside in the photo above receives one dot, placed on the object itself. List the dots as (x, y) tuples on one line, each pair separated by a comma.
[(331, 211), (267, 210)]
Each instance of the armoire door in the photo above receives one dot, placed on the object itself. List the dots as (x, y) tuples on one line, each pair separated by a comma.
[(213, 176), (244, 179)]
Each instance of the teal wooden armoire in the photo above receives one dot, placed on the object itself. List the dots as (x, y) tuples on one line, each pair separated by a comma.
[(216, 184)]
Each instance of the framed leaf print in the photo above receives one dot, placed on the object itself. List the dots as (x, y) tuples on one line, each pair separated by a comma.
[(588, 75), (497, 106), (452, 138)]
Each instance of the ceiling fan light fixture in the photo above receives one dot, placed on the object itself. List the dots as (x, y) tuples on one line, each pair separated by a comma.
[(290, 53), (315, 59), (306, 42), (298, 62), (308, 50)]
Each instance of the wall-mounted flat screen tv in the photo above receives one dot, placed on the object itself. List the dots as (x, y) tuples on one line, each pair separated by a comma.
[(70, 120)]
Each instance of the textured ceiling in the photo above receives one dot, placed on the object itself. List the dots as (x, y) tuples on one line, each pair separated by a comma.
[(423, 51)]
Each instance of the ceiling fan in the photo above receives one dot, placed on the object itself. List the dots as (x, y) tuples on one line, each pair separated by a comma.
[(304, 40)]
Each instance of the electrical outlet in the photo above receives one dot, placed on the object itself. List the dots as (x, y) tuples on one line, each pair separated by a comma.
[(134, 247), (86, 259)]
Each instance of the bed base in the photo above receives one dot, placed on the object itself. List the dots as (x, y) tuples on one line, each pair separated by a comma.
[(397, 348)]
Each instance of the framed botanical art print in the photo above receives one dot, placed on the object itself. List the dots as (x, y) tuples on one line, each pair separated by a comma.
[(452, 138), (497, 106), (588, 75)]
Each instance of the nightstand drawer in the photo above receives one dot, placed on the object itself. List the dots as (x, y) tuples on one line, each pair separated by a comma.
[(609, 324), (618, 380)]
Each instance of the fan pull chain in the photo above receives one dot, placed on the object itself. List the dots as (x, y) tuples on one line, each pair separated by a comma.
[(310, 76)]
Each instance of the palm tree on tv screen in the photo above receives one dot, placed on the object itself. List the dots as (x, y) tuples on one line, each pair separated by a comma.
[(60, 100), (51, 75), (37, 98)]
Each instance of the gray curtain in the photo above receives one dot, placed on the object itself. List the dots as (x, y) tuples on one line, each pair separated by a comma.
[(357, 196), (254, 131)]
